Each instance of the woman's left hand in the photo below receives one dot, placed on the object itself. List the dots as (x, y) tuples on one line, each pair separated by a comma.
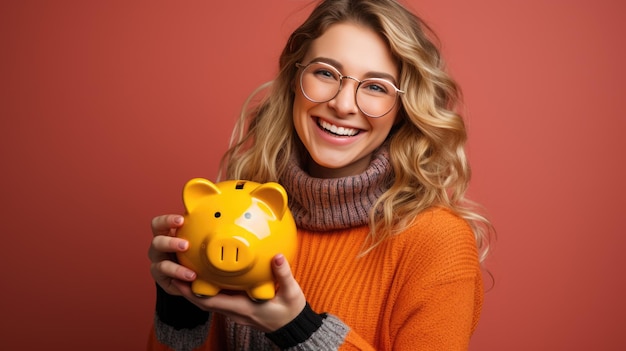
[(266, 316)]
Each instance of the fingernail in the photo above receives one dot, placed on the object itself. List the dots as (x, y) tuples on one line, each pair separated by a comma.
[(279, 259), (190, 275), (183, 245), (178, 220)]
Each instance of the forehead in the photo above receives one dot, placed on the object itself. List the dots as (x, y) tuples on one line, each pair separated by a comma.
[(358, 50)]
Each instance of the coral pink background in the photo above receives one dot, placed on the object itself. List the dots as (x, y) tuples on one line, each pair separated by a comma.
[(108, 107)]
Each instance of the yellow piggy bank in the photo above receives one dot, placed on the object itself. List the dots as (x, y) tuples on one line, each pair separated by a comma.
[(234, 229)]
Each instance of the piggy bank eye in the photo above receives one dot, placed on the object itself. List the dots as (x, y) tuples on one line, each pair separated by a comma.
[(217, 214), (247, 215)]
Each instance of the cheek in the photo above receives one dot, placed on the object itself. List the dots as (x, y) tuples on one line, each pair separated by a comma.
[(385, 123), (295, 110), (297, 103), (300, 109), (299, 114)]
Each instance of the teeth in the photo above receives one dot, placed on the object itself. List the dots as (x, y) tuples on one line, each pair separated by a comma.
[(338, 130)]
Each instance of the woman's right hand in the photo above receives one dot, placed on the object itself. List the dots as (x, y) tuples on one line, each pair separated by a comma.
[(162, 253)]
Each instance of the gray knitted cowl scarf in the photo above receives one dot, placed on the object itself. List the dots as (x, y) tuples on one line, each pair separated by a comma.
[(336, 203)]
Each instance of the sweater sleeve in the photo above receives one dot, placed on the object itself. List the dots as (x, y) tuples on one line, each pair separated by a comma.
[(436, 298), (439, 305), (310, 331), (431, 301), (178, 324), (444, 322)]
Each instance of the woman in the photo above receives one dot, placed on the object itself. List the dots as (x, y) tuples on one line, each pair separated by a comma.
[(359, 126)]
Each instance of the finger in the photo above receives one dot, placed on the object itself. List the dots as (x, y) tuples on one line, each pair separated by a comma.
[(288, 291), (288, 287), (183, 287), (168, 269), (282, 273), (165, 247), (163, 225), (162, 243), (237, 307), (174, 287), (227, 304)]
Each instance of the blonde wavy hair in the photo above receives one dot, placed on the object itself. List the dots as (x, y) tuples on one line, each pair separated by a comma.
[(427, 147)]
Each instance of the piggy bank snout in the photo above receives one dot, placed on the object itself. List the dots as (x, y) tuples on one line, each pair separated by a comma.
[(231, 254)]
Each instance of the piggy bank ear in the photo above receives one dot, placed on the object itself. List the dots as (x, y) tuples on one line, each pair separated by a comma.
[(195, 192), (274, 196)]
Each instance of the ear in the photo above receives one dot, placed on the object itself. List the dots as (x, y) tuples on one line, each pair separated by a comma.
[(196, 190), (274, 196)]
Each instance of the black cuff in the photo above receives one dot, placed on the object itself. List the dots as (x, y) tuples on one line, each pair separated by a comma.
[(298, 330), (178, 312)]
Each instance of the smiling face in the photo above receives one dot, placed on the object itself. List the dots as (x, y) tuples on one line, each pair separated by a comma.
[(338, 136)]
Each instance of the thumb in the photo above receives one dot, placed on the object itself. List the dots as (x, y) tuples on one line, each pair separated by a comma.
[(289, 290), (282, 271), (288, 287)]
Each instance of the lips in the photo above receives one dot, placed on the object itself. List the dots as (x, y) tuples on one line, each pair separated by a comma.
[(335, 130)]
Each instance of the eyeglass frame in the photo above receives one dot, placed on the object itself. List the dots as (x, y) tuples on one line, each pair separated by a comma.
[(341, 78)]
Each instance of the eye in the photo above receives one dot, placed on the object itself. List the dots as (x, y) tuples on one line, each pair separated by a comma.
[(375, 87), (217, 214), (323, 73), (247, 215)]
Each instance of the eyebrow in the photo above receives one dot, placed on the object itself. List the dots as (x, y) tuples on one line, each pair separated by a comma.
[(370, 74)]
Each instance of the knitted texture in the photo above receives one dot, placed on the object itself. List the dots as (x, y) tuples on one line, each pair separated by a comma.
[(418, 290), (298, 330), (336, 203)]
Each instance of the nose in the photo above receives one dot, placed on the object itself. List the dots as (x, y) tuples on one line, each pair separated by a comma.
[(230, 255), (345, 100)]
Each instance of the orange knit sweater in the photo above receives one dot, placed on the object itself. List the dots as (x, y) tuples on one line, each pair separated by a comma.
[(420, 290)]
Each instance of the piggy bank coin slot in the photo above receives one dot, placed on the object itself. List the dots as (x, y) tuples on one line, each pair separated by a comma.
[(239, 185)]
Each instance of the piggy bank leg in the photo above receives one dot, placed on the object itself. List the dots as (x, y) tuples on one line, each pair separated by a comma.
[(262, 292), (204, 289)]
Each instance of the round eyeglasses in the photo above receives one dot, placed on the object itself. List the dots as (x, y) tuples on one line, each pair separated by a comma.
[(321, 82)]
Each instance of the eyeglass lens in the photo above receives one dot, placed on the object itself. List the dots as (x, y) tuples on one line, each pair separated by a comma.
[(321, 82)]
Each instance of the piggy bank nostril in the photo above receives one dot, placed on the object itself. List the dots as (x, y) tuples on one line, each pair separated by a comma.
[(236, 254), (232, 254)]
